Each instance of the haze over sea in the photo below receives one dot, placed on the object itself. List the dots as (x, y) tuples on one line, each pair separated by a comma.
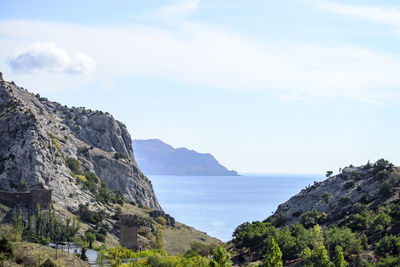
[(218, 204)]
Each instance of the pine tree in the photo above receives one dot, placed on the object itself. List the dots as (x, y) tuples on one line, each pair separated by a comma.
[(221, 258), (274, 254), (338, 258)]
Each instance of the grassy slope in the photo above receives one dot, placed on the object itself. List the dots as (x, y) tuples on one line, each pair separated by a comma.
[(29, 254), (176, 240)]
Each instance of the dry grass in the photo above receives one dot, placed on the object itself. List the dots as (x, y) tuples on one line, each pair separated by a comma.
[(29, 254), (176, 240)]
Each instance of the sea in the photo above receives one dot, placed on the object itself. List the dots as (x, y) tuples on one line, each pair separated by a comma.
[(218, 204)]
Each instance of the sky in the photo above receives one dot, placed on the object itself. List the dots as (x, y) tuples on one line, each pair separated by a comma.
[(285, 86)]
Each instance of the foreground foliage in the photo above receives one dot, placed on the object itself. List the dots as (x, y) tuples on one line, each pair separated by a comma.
[(125, 257)]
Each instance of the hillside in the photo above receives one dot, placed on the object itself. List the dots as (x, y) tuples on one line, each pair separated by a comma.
[(154, 157), (86, 158), (355, 212)]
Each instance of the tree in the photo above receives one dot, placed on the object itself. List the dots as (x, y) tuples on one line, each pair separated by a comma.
[(158, 243), (318, 257), (274, 255), (328, 174), (338, 258), (83, 254), (90, 237), (388, 245), (221, 258)]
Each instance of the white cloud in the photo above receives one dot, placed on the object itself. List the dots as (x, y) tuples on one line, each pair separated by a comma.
[(386, 14), (43, 57), (181, 9), (208, 55)]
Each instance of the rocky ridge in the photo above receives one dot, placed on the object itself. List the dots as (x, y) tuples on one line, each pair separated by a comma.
[(39, 136), (334, 197)]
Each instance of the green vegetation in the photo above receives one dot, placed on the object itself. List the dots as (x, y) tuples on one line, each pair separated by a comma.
[(161, 220), (313, 217), (273, 256), (342, 245), (91, 182), (120, 155), (6, 249), (91, 216), (220, 257), (53, 229)]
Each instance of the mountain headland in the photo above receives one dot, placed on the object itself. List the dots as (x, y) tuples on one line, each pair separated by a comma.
[(155, 157), (86, 159)]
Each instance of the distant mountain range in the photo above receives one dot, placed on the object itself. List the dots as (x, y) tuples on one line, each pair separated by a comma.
[(155, 157)]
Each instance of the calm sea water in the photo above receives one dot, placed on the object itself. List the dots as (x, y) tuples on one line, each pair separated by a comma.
[(217, 204)]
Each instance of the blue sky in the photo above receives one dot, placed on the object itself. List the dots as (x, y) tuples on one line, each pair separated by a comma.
[(290, 86)]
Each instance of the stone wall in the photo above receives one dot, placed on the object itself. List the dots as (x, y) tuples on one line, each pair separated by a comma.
[(27, 200)]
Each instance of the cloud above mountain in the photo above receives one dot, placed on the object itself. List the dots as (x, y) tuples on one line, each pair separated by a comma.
[(43, 57)]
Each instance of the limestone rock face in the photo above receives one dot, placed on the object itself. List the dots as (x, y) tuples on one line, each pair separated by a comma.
[(37, 136)]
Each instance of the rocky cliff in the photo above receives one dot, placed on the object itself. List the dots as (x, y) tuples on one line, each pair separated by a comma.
[(156, 157), (332, 199), (48, 145)]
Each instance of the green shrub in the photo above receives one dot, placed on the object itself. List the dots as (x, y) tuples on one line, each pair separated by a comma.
[(388, 245), (91, 216), (120, 155), (389, 261), (48, 263), (381, 221), (201, 249), (382, 175), (220, 258), (6, 249), (360, 221), (273, 257), (383, 164), (313, 217), (74, 165), (386, 189), (343, 237), (326, 196), (279, 219), (318, 256), (296, 213), (161, 220)]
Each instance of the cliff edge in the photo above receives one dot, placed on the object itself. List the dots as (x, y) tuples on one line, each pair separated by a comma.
[(47, 145)]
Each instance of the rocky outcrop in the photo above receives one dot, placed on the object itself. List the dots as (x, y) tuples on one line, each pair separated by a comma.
[(155, 157), (334, 197), (159, 213), (37, 137)]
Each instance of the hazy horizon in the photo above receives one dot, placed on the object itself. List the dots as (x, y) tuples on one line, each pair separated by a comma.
[(290, 86)]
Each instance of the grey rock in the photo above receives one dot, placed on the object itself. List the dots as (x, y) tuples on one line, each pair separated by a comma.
[(344, 189), (38, 135)]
